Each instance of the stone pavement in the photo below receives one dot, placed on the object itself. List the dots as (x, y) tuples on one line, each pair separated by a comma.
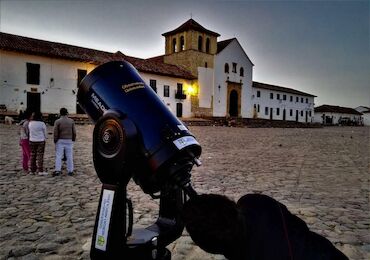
[(322, 175)]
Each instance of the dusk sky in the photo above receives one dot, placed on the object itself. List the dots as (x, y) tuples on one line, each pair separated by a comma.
[(319, 47)]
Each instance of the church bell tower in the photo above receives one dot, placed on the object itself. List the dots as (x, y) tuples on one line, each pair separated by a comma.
[(191, 46)]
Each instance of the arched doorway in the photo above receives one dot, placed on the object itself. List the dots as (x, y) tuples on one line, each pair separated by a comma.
[(233, 105), (233, 99)]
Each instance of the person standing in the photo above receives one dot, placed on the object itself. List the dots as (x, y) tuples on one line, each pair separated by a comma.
[(20, 111), (37, 132), (64, 136), (24, 140)]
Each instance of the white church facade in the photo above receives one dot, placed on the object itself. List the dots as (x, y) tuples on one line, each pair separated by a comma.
[(196, 77), (232, 80)]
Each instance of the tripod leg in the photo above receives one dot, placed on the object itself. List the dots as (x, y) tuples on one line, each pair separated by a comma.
[(109, 235)]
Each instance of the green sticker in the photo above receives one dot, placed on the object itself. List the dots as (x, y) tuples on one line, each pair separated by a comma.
[(101, 240)]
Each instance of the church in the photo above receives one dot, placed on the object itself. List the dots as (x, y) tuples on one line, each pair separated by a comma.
[(198, 76)]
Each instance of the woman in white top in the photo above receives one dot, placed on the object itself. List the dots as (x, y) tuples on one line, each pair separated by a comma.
[(37, 132)]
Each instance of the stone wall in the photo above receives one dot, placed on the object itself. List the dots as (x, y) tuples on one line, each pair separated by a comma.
[(190, 42), (190, 60), (200, 111)]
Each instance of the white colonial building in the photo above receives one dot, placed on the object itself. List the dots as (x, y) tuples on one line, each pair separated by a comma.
[(365, 114), (45, 75), (232, 90), (196, 77), (42, 83), (279, 103), (336, 115)]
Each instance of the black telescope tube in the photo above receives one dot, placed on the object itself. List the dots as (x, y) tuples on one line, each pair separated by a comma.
[(163, 139)]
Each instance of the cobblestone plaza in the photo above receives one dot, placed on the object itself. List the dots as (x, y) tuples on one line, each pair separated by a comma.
[(322, 175)]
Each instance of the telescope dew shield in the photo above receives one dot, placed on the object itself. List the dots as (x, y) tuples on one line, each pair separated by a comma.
[(130, 113)]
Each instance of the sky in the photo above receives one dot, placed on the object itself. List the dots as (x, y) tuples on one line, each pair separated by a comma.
[(318, 47)]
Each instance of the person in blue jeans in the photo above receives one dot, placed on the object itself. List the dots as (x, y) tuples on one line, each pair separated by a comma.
[(256, 227), (64, 137)]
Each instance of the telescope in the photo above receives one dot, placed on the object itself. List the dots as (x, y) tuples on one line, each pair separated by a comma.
[(136, 136)]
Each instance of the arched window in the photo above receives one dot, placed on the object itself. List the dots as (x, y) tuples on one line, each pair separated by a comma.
[(206, 64), (174, 46), (226, 68), (182, 43), (241, 72), (200, 43), (207, 45)]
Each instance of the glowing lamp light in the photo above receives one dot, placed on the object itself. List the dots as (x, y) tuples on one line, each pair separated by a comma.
[(191, 90)]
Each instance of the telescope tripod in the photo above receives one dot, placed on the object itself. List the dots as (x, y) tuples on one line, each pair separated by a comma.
[(114, 236)]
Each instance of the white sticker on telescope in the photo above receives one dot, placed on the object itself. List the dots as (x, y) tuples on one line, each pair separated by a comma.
[(185, 141), (104, 220), (182, 127)]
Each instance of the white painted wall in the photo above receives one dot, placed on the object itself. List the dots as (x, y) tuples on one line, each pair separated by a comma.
[(170, 101), (56, 94), (205, 81), (232, 53), (335, 116), (265, 101), (366, 119)]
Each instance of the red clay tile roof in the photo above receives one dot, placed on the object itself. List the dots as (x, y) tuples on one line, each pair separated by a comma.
[(222, 44), (190, 25), (337, 109), (10, 42), (281, 89), (157, 58), (159, 68)]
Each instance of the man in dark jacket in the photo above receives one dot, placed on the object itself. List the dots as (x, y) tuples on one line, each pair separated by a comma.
[(256, 227)]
